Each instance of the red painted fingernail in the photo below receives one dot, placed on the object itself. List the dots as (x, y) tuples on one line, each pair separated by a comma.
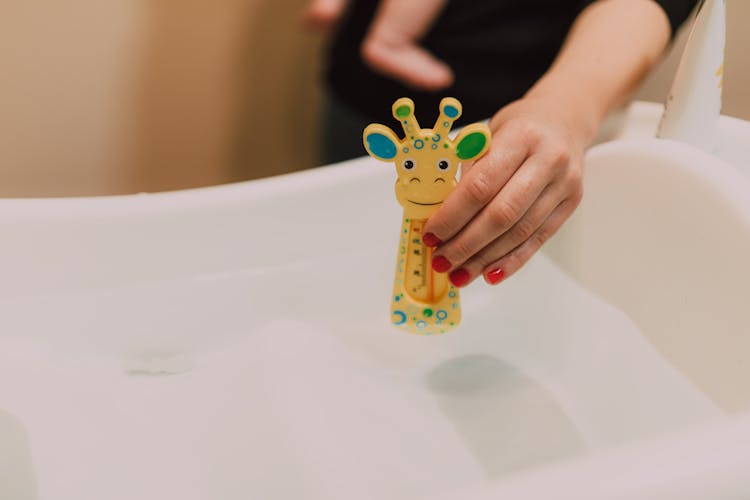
[(459, 277), (495, 276), (440, 264), (431, 240)]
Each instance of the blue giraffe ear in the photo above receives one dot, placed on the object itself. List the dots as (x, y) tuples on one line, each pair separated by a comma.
[(380, 142), (472, 142)]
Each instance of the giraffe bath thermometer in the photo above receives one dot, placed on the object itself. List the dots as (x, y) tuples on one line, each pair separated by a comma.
[(426, 162)]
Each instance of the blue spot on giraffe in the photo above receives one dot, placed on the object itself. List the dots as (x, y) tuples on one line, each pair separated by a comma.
[(381, 146), (451, 111)]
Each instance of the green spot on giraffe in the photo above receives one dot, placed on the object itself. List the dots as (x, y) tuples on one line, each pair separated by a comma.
[(471, 145), (403, 111)]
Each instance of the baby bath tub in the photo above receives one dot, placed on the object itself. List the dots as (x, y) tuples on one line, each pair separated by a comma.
[(622, 347)]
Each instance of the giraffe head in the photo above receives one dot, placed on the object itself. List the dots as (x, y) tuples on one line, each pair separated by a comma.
[(426, 159)]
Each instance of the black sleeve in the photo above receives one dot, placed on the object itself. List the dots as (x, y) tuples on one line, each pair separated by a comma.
[(677, 11)]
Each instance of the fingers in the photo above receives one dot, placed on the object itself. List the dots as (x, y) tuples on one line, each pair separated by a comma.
[(506, 213), (508, 264), (512, 250), (478, 186), (510, 201), (407, 62)]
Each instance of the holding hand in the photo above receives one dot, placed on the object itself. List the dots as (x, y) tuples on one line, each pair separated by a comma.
[(514, 198), (519, 194)]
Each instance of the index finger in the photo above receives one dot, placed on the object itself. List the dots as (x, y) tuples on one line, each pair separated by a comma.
[(479, 185)]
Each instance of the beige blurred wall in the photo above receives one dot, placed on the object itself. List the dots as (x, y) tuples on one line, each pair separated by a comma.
[(146, 95), (226, 91), (63, 114), (125, 96)]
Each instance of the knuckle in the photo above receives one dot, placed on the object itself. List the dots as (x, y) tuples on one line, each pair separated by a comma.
[(459, 252), (480, 261), (486, 257), (519, 256), (479, 188), (495, 156), (559, 153), (573, 176), (576, 196), (441, 227), (538, 239), (524, 229), (512, 262), (542, 236), (573, 182), (526, 130), (503, 214)]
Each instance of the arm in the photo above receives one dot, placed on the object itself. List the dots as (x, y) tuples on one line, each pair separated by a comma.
[(610, 49), (520, 193)]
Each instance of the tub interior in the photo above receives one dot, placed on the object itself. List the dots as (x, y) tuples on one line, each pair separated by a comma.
[(234, 343), (293, 384)]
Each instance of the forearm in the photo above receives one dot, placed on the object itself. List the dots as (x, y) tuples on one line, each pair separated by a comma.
[(610, 49)]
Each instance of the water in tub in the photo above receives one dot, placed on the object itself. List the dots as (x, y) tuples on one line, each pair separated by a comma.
[(321, 398)]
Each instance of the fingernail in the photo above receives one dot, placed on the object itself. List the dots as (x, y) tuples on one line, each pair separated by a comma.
[(440, 264), (431, 240), (495, 276), (459, 277)]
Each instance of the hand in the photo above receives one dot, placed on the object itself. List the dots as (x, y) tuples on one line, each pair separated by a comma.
[(391, 46), (394, 55), (513, 199)]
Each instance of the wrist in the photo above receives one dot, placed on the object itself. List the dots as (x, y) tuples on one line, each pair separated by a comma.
[(581, 112)]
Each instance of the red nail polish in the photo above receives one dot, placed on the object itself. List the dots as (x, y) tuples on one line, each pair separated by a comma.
[(495, 276), (431, 240), (459, 277), (440, 264)]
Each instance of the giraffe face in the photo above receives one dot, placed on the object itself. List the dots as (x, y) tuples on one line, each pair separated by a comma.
[(426, 169), (426, 159)]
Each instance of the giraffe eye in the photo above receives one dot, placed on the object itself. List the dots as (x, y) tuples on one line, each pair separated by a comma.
[(408, 164), (443, 165)]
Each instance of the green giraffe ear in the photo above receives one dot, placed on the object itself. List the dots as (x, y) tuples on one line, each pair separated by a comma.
[(380, 142), (472, 142)]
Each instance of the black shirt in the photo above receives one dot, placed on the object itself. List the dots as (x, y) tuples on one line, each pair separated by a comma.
[(496, 48)]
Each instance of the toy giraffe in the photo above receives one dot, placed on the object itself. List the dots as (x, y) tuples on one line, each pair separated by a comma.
[(426, 163)]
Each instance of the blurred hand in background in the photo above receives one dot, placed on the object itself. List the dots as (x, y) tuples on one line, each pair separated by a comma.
[(391, 46)]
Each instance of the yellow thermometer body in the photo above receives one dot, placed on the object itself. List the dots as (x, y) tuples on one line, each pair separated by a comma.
[(426, 161)]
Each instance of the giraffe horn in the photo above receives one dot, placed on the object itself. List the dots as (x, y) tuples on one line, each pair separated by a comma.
[(450, 111), (403, 111)]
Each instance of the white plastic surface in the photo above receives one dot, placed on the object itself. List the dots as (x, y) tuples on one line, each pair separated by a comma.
[(269, 302), (694, 103), (664, 234)]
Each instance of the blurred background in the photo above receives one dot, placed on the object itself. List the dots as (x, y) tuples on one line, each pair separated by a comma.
[(123, 96)]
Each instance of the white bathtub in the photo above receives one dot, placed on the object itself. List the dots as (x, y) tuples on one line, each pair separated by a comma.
[(615, 365)]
